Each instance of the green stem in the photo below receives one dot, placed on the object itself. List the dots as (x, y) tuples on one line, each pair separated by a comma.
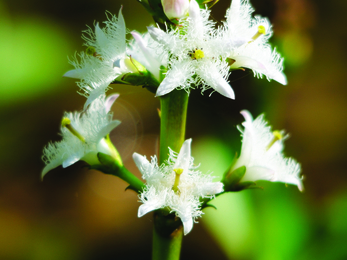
[(167, 237), (168, 229), (173, 108), (167, 248)]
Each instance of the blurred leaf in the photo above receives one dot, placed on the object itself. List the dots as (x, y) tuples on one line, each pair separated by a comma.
[(33, 55)]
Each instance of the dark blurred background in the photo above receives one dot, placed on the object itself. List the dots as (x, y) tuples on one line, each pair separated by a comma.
[(79, 214)]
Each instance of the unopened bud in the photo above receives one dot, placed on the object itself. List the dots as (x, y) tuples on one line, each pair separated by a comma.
[(175, 8)]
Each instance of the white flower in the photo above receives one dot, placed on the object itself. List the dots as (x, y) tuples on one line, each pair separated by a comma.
[(176, 186), (175, 8), (262, 155), (252, 35), (83, 136), (195, 57), (104, 60)]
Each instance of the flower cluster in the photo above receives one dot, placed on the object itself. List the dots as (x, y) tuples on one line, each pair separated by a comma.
[(191, 52), (203, 55), (175, 186), (195, 53)]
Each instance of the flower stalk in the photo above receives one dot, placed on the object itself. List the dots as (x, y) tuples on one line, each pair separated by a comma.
[(109, 165), (168, 229), (173, 109), (167, 236)]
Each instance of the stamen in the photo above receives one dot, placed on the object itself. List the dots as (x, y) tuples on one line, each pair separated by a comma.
[(277, 136), (261, 31), (178, 172), (66, 122)]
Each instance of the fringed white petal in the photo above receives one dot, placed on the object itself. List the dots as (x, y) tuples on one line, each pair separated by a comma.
[(214, 75), (142, 163), (75, 74), (177, 77), (108, 128), (152, 61), (71, 160), (145, 208), (187, 225), (256, 173), (184, 156)]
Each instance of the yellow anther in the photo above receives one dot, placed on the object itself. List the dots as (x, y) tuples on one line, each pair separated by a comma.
[(277, 136), (261, 31), (178, 172), (198, 54), (91, 51), (66, 122)]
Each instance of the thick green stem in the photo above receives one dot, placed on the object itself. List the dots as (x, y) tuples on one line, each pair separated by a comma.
[(167, 237), (173, 108), (168, 229)]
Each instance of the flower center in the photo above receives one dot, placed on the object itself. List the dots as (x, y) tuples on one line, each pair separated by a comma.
[(66, 122), (277, 136), (196, 54), (178, 172)]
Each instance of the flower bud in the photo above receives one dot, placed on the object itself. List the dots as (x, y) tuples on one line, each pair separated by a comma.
[(175, 8)]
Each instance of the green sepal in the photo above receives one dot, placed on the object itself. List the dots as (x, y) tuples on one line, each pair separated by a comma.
[(119, 81), (209, 206), (208, 3), (245, 185), (175, 21), (147, 81), (96, 167), (232, 179), (130, 188), (108, 163)]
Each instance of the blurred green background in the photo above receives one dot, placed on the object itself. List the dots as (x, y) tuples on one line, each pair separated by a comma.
[(79, 214)]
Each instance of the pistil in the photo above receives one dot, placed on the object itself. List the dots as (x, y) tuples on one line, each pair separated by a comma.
[(178, 173)]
